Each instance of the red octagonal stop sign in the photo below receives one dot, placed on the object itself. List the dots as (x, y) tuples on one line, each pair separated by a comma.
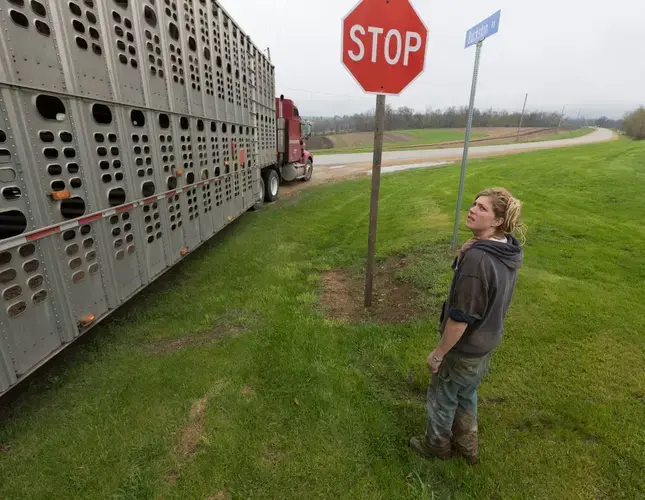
[(384, 45)]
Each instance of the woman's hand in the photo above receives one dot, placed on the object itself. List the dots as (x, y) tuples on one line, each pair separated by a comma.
[(434, 361)]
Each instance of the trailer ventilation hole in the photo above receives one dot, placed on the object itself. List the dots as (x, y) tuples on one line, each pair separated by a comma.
[(65, 136), (17, 309), (75, 182), (76, 10), (174, 31), (122, 3), (27, 250), (42, 28), (72, 208), (50, 153), (94, 268), (78, 277), (39, 297), (150, 16), (19, 18), (224, 128), (75, 263), (5, 157), (88, 243), (58, 185), (190, 178), (116, 231), (85, 230), (164, 121), (106, 178), (120, 255), (148, 189), (118, 243), (101, 114), (11, 193), (217, 171), (138, 118), (69, 235), (38, 8), (184, 123), (116, 197), (90, 256), (36, 282), (46, 136), (5, 258), (7, 276), (73, 168), (91, 17), (12, 223), (12, 292), (69, 152), (81, 42), (72, 249), (31, 266)]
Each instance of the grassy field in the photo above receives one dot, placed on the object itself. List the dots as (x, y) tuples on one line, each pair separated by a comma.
[(226, 381), (364, 142)]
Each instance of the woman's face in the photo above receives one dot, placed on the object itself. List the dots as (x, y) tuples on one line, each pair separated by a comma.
[(481, 217)]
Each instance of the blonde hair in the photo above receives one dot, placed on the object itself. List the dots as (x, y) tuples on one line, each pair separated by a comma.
[(508, 208)]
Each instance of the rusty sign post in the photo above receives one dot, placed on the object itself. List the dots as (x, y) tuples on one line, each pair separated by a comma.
[(384, 47)]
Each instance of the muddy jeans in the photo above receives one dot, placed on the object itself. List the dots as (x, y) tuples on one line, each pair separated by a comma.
[(452, 403)]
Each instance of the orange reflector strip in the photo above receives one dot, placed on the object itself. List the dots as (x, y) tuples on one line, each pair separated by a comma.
[(60, 195), (183, 251), (86, 320)]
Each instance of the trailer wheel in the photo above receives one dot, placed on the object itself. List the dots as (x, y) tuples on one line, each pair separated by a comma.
[(272, 185), (309, 171)]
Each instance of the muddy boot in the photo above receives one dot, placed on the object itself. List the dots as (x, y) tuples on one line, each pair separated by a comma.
[(464, 437), (421, 446)]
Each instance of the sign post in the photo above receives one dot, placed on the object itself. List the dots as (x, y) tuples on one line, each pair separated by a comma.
[(474, 36), (384, 45)]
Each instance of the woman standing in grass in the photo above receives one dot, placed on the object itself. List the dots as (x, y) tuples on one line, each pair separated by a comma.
[(472, 321)]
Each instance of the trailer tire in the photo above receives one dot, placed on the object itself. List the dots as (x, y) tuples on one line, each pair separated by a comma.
[(309, 171), (271, 185)]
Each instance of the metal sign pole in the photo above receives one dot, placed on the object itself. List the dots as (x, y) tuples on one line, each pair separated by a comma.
[(376, 186), (464, 160), (519, 127)]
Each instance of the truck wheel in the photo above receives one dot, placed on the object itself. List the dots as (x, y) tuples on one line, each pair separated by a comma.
[(271, 185), (309, 171), (259, 203)]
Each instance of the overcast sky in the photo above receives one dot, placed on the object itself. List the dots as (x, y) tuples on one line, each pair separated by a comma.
[(585, 54)]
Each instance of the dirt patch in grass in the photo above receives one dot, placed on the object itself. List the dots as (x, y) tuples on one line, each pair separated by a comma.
[(5, 449), (394, 300), (170, 346), (190, 437), (221, 495)]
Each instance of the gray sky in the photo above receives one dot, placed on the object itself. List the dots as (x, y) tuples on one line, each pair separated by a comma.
[(586, 54)]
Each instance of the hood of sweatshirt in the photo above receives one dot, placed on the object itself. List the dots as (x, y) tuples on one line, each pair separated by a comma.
[(509, 253)]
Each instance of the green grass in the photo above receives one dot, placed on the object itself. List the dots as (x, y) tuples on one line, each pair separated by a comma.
[(561, 413), (418, 137)]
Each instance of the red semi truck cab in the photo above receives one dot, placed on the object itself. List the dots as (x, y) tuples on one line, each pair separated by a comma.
[(293, 161)]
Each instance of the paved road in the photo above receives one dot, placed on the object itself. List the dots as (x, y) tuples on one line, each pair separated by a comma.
[(599, 135)]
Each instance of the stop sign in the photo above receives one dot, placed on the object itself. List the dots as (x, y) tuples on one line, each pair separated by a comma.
[(384, 45)]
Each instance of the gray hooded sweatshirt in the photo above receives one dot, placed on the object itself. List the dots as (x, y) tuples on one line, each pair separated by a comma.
[(481, 292)]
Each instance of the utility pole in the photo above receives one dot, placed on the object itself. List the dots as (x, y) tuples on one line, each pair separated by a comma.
[(519, 127), (561, 118)]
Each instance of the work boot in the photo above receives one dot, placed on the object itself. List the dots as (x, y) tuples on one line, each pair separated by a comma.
[(469, 454), (421, 446)]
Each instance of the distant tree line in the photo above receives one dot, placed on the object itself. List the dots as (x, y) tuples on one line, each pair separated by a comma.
[(634, 124), (452, 117)]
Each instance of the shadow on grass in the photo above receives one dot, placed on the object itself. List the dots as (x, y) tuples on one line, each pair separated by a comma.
[(91, 345)]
